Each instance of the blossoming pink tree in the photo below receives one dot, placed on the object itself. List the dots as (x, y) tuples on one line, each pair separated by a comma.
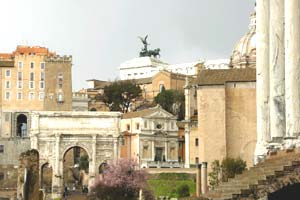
[(122, 180)]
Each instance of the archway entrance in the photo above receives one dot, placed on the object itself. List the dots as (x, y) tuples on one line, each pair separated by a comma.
[(291, 192), (75, 170), (46, 177), (22, 125)]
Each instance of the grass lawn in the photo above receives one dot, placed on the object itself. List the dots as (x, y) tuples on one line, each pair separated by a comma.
[(168, 184)]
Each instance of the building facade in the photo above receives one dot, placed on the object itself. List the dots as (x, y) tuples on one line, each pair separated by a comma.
[(227, 114), (32, 79), (151, 137)]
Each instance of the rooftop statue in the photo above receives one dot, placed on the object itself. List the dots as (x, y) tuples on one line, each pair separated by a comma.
[(148, 53)]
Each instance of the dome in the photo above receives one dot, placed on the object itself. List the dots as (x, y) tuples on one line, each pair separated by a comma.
[(244, 53)]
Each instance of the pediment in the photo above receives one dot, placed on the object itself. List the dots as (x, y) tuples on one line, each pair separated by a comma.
[(160, 113)]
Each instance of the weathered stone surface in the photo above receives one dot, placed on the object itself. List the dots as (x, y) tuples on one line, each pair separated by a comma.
[(277, 101), (54, 133), (262, 71), (292, 67)]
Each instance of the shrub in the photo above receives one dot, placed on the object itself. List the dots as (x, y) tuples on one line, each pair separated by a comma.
[(228, 169), (183, 191)]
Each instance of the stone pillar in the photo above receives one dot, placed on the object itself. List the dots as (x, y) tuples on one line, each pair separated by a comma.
[(115, 143), (292, 67), (204, 186), (57, 173), (262, 75), (198, 180), (93, 162), (277, 98), (166, 151), (187, 146), (153, 150)]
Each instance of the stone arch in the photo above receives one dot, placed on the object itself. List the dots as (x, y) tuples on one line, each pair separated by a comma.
[(93, 109), (102, 167), (282, 179), (46, 182), (68, 147), (21, 125), (290, 192)]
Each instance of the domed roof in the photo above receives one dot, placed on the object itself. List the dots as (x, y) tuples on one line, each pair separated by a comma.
[(244, 53)]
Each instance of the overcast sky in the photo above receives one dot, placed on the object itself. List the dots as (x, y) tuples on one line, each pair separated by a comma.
[(102, 34)]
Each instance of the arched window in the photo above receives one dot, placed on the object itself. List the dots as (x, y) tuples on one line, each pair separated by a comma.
[(22, 125)]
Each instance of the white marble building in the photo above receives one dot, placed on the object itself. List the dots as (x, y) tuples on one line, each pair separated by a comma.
[(278, 75), (151, 137), (146, 67), (142, 67)]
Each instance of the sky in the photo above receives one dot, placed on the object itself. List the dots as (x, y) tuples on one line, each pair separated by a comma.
[(102, 34)]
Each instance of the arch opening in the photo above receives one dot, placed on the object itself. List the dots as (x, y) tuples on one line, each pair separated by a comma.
[(75, 169), (290, 192), (22, 125), (46, 177)]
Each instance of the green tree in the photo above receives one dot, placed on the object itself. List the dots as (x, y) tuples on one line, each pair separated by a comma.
[(119, 95), (172, 101), (84, 163), (227, 169)]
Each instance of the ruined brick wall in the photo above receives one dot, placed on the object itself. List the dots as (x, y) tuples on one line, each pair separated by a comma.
[(28, 175)]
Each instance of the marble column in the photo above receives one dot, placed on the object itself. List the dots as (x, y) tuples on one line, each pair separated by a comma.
[(198, 180), (292, 67), (166, 151), (57, 170), (115, 143), (93, 162), (204, 186), (153, 150), (262, 75), (187, 146), (276, 61)]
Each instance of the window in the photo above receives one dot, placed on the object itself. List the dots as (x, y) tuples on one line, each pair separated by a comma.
[(20, 76), (7, 84), (19, 95), (20, 65), (60, 97), (196, 142), (60, 80), (42, 65), (31, 95), (172, 125), (145, 124), (31, 84), (41, 96), (7, 95), (42, 84), (161, 86), (31, 76), (197, 160), (1, 148), (137, 126), (31, 65), (20, 84), (128, 127), (42, 76), (7, 73)]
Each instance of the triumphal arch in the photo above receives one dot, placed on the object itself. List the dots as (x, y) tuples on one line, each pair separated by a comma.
[(54, 133)]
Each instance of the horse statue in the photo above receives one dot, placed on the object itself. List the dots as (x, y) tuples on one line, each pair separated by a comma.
[(145, 52)]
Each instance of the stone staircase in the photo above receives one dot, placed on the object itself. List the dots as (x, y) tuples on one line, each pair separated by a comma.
[(245, 184)]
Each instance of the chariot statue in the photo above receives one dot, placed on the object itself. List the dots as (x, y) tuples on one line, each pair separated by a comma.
[(145, 52)]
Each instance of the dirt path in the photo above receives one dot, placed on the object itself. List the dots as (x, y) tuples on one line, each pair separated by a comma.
[(77, 196)]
